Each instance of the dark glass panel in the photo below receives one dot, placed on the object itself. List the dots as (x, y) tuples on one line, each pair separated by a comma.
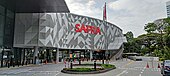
[(1, 41), (2, 10), (41, 6), (1, 25), (1, 29), (8, 33), (10, 14)]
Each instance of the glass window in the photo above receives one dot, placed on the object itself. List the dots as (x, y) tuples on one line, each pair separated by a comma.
[(0, 50), (1, 40), (167, 62), (2, 10), (1, 25), (8, 26), (8, 32), (10, 14)]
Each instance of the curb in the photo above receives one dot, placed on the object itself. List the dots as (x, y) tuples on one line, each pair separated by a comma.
[(92, 72)]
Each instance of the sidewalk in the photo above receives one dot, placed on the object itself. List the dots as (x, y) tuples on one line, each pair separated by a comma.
[(29, 65), (16, 67)]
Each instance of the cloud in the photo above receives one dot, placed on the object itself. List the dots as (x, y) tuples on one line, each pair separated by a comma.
[(132, 15), (84, 7), (129, 15)]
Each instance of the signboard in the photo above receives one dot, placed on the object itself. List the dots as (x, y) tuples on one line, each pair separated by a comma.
[(87, 29)]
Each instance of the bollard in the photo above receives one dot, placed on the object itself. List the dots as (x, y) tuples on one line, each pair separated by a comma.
[(26, 62), (95, 64), (13, 63), (8, 64), (103, 61), (79, 61), (71, 65), (22, 62), (18, 63)]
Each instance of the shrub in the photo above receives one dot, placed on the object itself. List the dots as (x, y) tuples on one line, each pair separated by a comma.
[(80, 69), (106, 66), (161, 59)]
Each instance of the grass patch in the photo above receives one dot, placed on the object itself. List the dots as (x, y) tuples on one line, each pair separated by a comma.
[(83, 69), (106, 66)]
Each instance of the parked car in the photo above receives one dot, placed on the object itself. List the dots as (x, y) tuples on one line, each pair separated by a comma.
[(165, 69)]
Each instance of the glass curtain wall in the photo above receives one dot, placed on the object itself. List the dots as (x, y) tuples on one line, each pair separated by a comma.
[(6, 35), (2, 20)]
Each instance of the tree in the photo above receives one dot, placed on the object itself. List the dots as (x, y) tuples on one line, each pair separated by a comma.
[(166, 21), (166, 36), (149, 40), (132, 43), (129, 36), (157, 39), (150, 27)]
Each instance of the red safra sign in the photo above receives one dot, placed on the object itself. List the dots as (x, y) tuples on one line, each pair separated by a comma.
[(87, 29)]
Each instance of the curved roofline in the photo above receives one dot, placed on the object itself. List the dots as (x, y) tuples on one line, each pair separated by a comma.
[(99, 19)]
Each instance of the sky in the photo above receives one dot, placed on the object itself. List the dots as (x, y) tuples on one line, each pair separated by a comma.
[(129, 15)]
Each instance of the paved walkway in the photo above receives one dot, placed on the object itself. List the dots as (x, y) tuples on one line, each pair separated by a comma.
[(124, 68)]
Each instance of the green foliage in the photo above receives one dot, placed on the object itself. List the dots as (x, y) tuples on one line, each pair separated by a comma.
[(144, 51), (156, 42), (80, 69), (106, 66), (166, 52), (166, 36), (132, 44), (161, 59), (83, 69), (157, 39), (157, 53), (150, 27), (166, 21), (129, 36)]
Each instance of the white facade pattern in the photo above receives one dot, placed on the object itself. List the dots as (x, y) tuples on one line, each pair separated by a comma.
[(168, 8), (58, 30)]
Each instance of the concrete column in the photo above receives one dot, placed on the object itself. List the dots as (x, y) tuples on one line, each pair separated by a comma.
[(51, 54), (84, 53), (70, 52), (35, 51), (57, 55), (91, 54), (2, 57), (35, 56), (22, 56)]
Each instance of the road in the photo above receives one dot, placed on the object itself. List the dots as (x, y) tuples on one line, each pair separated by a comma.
[(124, 68)]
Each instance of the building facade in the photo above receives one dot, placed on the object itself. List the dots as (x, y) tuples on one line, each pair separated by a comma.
[(8, 10), (7, 19), (168, 8), (50, 33), (65, 31)]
